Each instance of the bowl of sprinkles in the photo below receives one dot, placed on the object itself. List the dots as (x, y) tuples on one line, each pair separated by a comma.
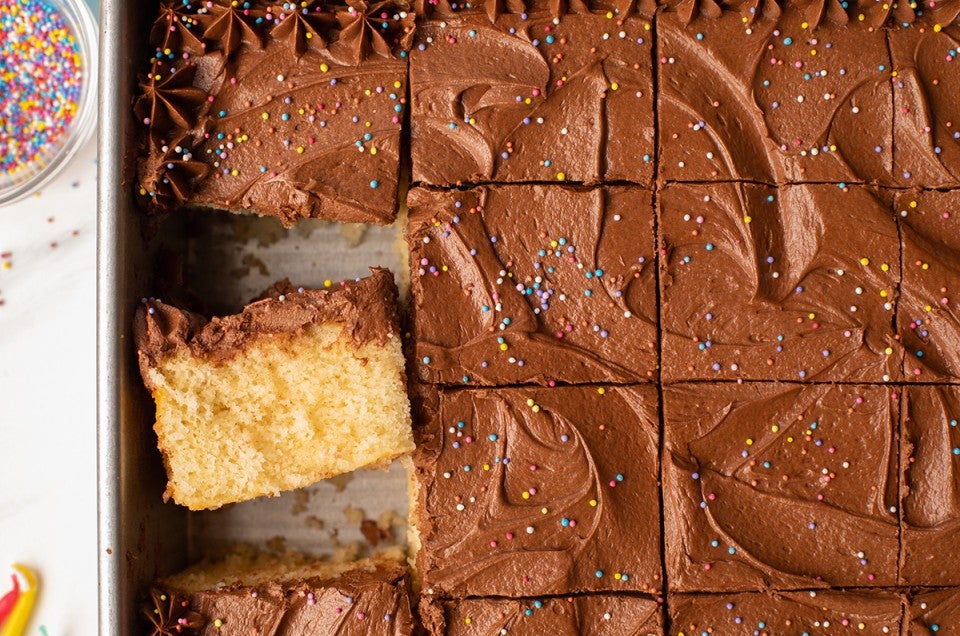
[(48, 92)]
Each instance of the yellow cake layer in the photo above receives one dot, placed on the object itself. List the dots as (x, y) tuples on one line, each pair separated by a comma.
[(287, 411)]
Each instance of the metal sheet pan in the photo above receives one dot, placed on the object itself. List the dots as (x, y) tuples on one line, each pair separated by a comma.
[(222, 260)]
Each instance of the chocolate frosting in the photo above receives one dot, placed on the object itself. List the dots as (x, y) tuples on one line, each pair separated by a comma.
[(824, 612), (595, 615), (359, 601), (777, 98), (928, 317), (502, 296), (532, 97), (367, 308), (930, 460), (780, 486), (774, 284), (933, 612), (526, 492), (294, 112), (171, 171), (925, 90), (305, 28), (169, 614)]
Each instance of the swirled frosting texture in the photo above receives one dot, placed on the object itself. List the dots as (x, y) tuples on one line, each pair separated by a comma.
[(928, 316), (874, 613), (930, 459), (533, 284), (933, 612), (795, 283), (286, 112), (599, 615), (770, 486), (531, 97), (786, 98), (926, 57), (526, 492)]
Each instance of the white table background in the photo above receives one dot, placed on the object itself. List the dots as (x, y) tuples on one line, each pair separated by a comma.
[(48, 428), (48, 431)]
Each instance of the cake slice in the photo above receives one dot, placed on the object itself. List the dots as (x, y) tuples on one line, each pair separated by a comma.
[(300, 386), (263, 594), (290, 110)]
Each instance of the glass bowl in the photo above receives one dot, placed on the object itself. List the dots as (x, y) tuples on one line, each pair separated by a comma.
[(29, 178)]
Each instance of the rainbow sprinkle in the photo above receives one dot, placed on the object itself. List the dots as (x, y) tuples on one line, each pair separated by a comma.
[(40, 82)]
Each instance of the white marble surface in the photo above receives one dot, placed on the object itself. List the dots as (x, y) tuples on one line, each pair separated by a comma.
[(48, 433)]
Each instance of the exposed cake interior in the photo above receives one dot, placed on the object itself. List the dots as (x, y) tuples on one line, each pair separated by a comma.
[(250, 568), (247, 406)]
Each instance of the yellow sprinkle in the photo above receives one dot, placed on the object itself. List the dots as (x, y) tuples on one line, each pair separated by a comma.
[(397, 84), (937, 28), (368, 124), (218, 623), (790, 439), (861, 17), (536, 408), (928, 308), (373, 150), (302, 112), (530, 402), (553, 244), (143, 192), (609, 15), (646, 27), (467, 620), (864, 261), (525, 495), (300, 150), (925, 266), (894, 74), (235, 173), (561, 176), (527, 101), (486, 466), (309, 35), (813, 52), (804, 25), (913, 204), (444, 268), (883, 293), (811, 315), (327, 283), (503, 346), (472, 121), (367, 92), (749, 442), (614, 86), (593, 503), (833, 147), (747, 219), (888, 351), (601, 390), (617, 575), (544, 511), (265, 116), (885, 267), (775, 428), (324, 68)]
